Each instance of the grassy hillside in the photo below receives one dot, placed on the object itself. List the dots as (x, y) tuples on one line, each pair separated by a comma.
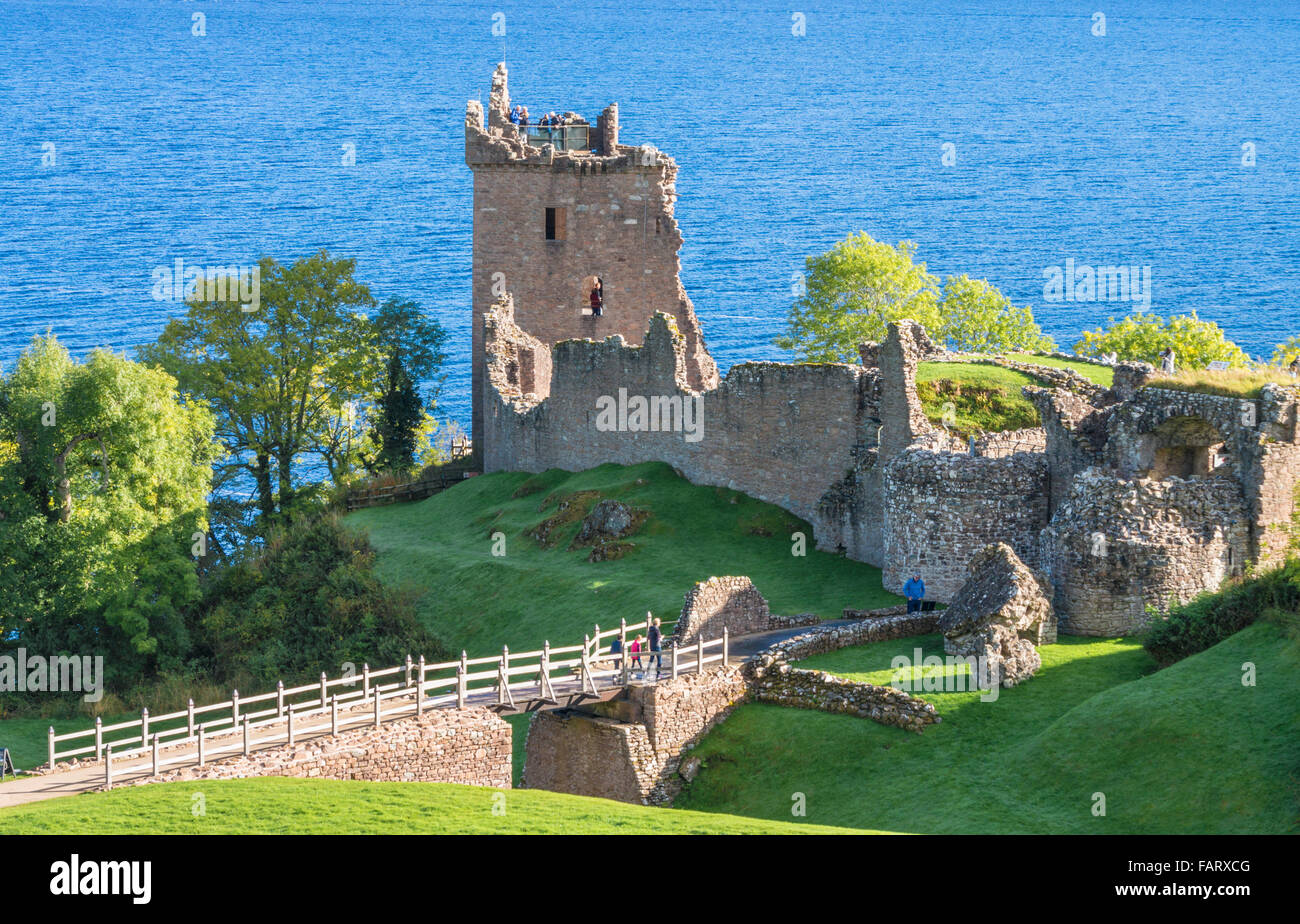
[(442, 548), (284, 806), (1188, 749)]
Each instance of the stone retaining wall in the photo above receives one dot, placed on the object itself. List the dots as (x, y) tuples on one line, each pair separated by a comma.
[(470, 746), (630, 749), (782, 685)]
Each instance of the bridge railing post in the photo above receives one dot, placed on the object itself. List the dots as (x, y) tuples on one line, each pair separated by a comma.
[(202, 756), (419, 690), (279, 699), (189, 719), (407, 665), (334, 715), (672, 656), (108, 767), (726, 641), (144, 727), (99, 737), (543, 667), (234, 708), (247, 742), (379, 711), (462, 681), (365, 682), (289, 726), (155, 755), (324, 690), (51, 740), (699, 654)]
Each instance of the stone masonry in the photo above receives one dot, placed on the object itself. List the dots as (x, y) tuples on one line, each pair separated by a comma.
[(630, 749), (610, 216), (471, 746), (732, 603), (1127, 498), (998, 617)]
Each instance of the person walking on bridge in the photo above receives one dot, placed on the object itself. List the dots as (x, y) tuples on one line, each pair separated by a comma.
[(656, 646)]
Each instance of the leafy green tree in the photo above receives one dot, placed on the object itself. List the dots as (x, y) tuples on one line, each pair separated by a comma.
[(855, 289), (1285, 353), (307, 602), (104, 473), (281, 379), (409, 348), (852, 293), (978, 318), (1196, 343)]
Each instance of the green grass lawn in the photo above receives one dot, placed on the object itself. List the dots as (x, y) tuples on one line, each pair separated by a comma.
[(984, 397), (287, 806), (1186, 750), (1230, 383), (442, 548), (1098, 375)]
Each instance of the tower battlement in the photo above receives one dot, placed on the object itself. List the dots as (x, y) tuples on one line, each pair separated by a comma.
[(561, 208)]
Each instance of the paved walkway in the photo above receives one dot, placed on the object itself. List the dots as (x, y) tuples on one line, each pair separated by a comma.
[(568, 692)]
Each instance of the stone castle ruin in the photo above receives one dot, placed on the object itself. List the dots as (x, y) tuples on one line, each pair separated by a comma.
[(1126, 498)]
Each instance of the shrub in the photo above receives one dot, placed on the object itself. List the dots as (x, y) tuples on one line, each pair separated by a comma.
[(309, 602), (1211, 618)]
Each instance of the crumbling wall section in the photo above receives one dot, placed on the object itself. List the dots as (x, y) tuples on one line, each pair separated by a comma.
[(942, 507), (779, 432), (1117, 546), (732, 603)]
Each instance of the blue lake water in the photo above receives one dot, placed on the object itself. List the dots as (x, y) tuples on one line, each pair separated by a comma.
[(1125, 148)]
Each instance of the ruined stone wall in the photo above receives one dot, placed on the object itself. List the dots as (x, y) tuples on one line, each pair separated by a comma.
[(782, 433), (878, 628), (1009, 442), (732, 603), (630, 749), (1118, 545), (615, 221), (942, 507), (678, 713), (780, 684), (470, 746), (575, 752)]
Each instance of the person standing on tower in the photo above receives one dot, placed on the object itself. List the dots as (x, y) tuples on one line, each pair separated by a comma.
[(598, 298)]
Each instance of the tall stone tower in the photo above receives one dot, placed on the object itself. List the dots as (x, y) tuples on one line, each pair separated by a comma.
[(555, 208)]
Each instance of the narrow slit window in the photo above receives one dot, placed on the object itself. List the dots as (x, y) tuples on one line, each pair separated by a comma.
[(555, 224)]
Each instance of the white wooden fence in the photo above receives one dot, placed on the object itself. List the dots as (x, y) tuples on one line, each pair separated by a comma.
[(354, 700)]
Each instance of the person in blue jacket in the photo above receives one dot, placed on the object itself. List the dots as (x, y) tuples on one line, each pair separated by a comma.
[(914, 591)]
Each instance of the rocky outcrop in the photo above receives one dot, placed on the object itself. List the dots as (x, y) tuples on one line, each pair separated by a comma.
[(998, 616)]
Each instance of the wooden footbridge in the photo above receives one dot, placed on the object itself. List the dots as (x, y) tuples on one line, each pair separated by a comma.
[(547, 678)]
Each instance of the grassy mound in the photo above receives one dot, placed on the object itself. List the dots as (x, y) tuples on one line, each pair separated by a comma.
[(981, 397), (1231, 383), (285, 806), (1186, 750), (1098, 375), (546, 587)]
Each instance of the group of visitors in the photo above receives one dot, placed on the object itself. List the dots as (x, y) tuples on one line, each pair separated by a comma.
[(519, 116), (650, 645)]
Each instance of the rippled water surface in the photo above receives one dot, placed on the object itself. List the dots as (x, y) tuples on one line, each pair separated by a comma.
[(1122, 149)]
